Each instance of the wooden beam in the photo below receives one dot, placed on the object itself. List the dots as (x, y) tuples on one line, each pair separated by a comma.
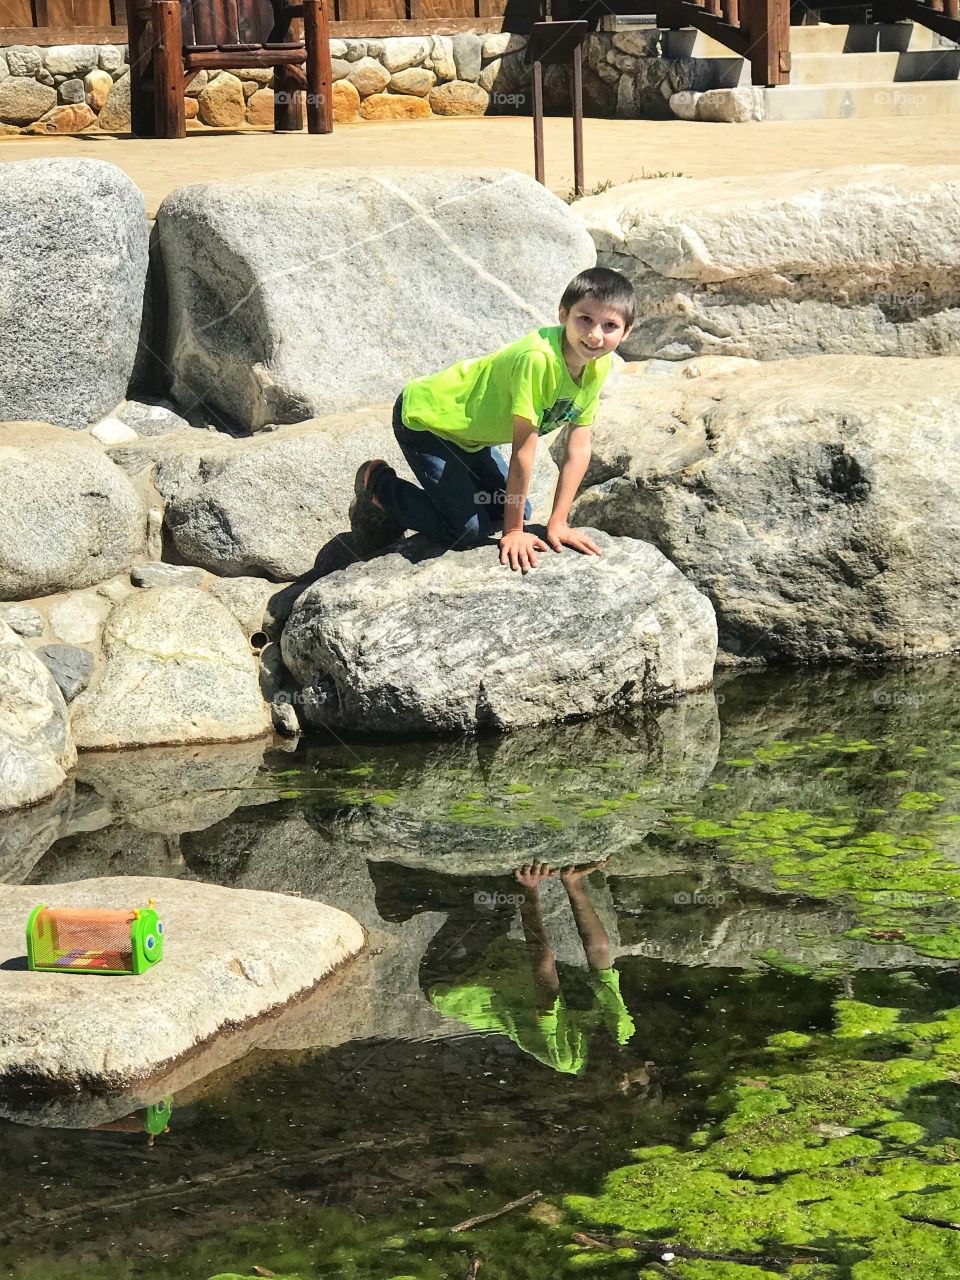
[(942, 23), (215, 60), (414, 27), (691, 15), (379, 27), (63, 35)]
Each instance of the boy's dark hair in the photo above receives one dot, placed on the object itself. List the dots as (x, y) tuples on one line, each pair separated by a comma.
[(607, 286)]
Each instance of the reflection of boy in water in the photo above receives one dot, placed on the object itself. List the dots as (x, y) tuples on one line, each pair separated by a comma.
[(525, 1001)]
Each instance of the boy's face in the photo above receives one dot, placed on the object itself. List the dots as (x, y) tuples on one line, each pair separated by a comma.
[(592, 329)]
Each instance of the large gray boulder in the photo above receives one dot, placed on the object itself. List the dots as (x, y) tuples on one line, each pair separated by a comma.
[(68, 517), (277, 504), (847, 261), (814, 501), (299, 293), (74, 243), (231, 957), (36, 748), (418, 640), (178, 669)]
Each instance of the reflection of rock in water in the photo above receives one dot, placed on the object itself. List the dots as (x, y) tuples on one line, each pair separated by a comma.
[(159, 790), (889, 707), (569, 794), (173, 789), (276, 848), (720, 924), (26, 834), (119, 850)]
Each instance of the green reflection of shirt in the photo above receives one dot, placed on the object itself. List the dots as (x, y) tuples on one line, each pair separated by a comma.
[(506, 1002)]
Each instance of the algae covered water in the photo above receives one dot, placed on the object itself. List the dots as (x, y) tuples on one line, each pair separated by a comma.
[(682, 989)]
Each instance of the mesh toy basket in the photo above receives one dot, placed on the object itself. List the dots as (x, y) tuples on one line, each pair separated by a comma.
[(94, 940)]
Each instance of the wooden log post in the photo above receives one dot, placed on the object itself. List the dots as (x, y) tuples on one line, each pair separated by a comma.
[(287, 101), (316, 32), (769, 29), (168, 69), (143, 122)]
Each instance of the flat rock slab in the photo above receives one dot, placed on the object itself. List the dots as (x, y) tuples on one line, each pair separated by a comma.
[(849, 260), (419, 640), (231, 956), (299, 293)]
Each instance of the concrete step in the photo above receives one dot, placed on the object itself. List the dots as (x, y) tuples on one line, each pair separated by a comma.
[(843, 68), (879, 37), (888, 37), (864, 68), (864, 101)]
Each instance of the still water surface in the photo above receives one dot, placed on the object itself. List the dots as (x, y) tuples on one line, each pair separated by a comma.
[(730, 1034)]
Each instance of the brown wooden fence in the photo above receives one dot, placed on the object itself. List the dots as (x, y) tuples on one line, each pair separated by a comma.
[(76, 21)]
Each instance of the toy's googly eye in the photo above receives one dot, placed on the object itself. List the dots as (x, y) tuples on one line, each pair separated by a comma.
[(160, 926), (149, 941)]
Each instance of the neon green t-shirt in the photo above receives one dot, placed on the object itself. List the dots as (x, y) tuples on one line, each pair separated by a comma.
[(473, 402), (505, 1001)]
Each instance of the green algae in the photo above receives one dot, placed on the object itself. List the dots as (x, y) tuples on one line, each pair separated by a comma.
[(895, 865), (818, 1155)]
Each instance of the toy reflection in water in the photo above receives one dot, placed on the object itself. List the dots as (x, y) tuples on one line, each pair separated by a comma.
[(519, 993), (151, 1120)]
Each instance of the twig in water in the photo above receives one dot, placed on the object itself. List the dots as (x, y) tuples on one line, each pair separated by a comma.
[(932, 1222), (589, 1242), (497, 1213)]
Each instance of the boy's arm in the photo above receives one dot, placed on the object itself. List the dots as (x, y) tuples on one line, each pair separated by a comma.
[(575, 463), (517, 547)]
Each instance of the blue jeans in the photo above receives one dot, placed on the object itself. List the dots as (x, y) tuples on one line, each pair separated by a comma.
[(462, 499)]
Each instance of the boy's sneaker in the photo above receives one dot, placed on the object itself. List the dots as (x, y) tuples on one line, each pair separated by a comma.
[(368, 517)]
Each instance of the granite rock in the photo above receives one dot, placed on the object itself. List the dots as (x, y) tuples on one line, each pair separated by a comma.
[(496, 649)]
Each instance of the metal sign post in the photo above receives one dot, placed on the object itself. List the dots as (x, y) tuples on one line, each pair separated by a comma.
[(555, 44)]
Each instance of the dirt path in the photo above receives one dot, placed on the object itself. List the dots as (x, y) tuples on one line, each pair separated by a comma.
[(615, 149)]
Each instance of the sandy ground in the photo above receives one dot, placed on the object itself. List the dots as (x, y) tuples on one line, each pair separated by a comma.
[(615, 150)]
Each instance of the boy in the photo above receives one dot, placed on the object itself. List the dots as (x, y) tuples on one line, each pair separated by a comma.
[(448, 424)]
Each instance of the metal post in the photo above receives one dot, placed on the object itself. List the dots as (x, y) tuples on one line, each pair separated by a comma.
[(577, 91), (538, 169)]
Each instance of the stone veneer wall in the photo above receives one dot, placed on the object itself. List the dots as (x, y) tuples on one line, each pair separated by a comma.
[(74, 88)]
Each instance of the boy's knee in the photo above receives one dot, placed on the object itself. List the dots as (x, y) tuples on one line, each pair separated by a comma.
[(470, 531)]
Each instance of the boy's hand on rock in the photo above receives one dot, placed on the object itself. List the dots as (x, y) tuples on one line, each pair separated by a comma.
[(518, 549), (560, 535)]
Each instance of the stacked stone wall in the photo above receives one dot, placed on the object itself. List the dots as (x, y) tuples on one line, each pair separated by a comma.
[(80, 88)]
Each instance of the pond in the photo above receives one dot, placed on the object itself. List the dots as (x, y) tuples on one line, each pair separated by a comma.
[(719, 1039)]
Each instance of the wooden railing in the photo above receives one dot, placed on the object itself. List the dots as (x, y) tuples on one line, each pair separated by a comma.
[(758, 30)]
